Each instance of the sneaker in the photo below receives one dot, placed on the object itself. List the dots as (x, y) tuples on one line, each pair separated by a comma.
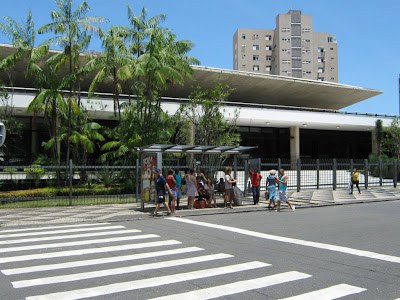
[(293, 208), (168, 213)]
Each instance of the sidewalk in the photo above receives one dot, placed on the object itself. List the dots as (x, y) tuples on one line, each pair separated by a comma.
[(128, 212)]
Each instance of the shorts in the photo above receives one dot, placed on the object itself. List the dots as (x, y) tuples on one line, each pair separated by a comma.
[(160, 197), (174, 192), (283, 196), (179, 194)]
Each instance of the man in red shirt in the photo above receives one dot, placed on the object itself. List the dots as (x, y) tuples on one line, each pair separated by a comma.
[(255, 184)]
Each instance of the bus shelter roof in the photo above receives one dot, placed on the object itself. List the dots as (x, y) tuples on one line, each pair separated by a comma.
[(196, 149)]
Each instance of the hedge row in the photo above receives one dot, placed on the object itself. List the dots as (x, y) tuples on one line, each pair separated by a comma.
[(64, 191)]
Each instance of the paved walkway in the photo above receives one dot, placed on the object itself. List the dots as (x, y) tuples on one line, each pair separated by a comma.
[(123, 212)]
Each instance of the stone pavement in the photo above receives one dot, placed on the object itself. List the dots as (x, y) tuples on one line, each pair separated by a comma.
[(126, 212)]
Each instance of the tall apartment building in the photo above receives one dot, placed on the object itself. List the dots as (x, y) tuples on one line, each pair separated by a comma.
[(291, 49)]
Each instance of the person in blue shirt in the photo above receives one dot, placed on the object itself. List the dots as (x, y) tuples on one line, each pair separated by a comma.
[(283, 194), (161, 186), (271, 186), (178, 179)]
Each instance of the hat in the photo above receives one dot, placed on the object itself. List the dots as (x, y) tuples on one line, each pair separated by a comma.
[(272, 172), (157, 170)]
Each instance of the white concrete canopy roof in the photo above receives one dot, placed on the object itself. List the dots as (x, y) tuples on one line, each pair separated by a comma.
[(249, 87), (276, 90)]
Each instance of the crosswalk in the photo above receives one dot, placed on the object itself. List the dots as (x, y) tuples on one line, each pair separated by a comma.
[(103, 260)]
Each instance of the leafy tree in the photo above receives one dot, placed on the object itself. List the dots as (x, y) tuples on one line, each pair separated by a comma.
[(391, 140), (69, 25), (212, 123), (50, 101), (23, 40), (108, 63)]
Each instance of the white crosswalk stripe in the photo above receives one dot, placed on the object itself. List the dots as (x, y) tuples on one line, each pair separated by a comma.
[(72, 236), (333, 292), (78, 243), (72, 269), (238, 287), (99, 261), (149, 282), (39, 229), (118, 271), (2, 236), (87, 251)]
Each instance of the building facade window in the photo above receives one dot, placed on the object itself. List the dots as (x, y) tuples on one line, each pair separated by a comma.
[(268, 68), (256, 47), (320, 78), (243, 36), (306, 30), (285, 61), (244, 66), (255, 36), (320, 59), (306, 61), (306, 72), (320, 50), (320, 70), (330, 39), (332, 68), (306, 51), (243, 56), (268, 57), (268, 47), (255, 57), (268, 37), (332, 78), (285, 29), (256, 68), (286, 50), (285, 40)]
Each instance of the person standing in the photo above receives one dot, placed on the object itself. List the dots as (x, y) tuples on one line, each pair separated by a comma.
[(161, 185), (172, 184), (283, 194), (178, 180), (271, 187), (191, 184), (228, 187), (355, 180), (255, 184)]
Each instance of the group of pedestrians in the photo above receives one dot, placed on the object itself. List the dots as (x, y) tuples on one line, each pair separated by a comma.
[(276, 188)]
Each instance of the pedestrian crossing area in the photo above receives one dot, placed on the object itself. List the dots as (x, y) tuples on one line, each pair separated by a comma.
[(111, 261)]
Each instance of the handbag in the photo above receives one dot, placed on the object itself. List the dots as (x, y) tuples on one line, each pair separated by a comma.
[(267, 195)]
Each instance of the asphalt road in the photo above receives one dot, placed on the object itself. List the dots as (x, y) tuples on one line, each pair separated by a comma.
[(350, 250)]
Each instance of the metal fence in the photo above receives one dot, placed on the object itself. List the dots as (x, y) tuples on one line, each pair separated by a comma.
[(67, 185), (87, 185)]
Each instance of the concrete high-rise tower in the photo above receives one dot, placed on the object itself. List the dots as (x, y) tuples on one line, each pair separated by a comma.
[(291, 49)]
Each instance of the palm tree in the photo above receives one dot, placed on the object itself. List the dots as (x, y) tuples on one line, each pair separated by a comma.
[(68, 25), (108, 63), (159, 61), (23, 40), (50, 100)]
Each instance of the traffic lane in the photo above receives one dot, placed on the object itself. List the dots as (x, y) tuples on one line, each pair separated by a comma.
[(332, 267)]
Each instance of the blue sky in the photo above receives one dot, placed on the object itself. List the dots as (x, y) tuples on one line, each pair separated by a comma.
[(367, 33)]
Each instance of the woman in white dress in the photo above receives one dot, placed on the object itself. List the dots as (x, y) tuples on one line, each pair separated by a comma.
[(191, 184)]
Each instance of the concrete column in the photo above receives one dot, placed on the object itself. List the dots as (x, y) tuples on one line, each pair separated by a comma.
[(294, 143)]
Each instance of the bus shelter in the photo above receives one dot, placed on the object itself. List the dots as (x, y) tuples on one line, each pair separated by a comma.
[(151, 159)]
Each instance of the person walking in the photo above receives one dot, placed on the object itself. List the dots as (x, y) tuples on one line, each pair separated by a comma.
[(178, 180), (271, 188), (191, 184), (255, 179), (283, 194), (228, 187), (161, 185), (355, 180)]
